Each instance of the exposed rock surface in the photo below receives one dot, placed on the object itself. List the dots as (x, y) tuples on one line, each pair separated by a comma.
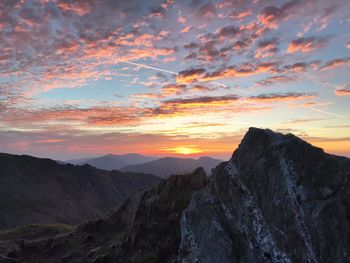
[(145, 228), (41, 191), (278, 199)]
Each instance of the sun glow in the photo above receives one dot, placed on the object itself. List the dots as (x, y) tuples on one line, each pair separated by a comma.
[(184, 150)]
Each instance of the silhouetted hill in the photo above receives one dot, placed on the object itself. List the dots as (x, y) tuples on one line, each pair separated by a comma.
[(35, 190), (164, 167), (112, 161)]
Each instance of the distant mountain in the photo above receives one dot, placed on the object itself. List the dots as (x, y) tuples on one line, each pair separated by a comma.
[(112, 161), (164, 167), (35, 190)]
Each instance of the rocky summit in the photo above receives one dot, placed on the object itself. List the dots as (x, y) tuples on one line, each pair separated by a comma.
[(278, 199)]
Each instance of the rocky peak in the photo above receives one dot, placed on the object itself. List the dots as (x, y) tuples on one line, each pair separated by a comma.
[(278, 199)]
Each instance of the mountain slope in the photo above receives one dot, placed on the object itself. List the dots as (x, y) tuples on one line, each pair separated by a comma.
[(146, 228), (278, 199), (34, 190), (112, 161), (167, 166)]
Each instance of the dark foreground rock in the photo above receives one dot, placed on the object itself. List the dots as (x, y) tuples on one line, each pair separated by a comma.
[(278, 199)]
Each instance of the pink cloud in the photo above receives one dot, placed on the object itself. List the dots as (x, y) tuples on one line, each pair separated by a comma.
[(306, 44)]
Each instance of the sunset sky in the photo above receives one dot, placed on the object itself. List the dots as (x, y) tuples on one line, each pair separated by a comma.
[(171, 78)]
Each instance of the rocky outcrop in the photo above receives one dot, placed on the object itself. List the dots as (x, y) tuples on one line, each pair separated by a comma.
[(278, 199), (145, 228)]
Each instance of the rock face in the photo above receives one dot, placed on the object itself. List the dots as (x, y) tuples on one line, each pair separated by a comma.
[(278, 199), (145, 228), (42, 191)]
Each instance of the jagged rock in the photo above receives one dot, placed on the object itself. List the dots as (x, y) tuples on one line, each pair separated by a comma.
[(278, 199)]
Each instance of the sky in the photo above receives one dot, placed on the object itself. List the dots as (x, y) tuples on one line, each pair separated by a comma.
[(173, 77)]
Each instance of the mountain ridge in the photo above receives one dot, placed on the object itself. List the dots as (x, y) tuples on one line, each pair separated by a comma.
[(112, 161), (166, 166), (37, 190)]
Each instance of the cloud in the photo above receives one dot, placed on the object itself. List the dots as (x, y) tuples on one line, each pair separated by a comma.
[(190, 75), (275, 79), (205, 100), (279, 97), (186, 29), (348, 45), (79, 7), (244, 70), (336, 63), (307, 44), (302, 66), (342, 91), (207, 10), (240, 15), (266, 48), (72, 116), (173, 89), (228, 31), (272, 15)]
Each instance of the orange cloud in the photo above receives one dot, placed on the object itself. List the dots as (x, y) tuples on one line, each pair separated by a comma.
[(190, 75), (266, 48), (306, 44), (173, 89), (342, 92), (81, 8), (336, 63), (186, 29), (240, 15)]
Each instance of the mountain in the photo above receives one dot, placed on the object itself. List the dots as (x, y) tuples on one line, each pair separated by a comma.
[(164, 167), (35, 190), (112, 161), (277, 200)]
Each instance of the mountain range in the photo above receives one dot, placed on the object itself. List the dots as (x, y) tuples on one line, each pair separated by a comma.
[(113, 161), (35, 190), (277, 200), (164, 167)]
